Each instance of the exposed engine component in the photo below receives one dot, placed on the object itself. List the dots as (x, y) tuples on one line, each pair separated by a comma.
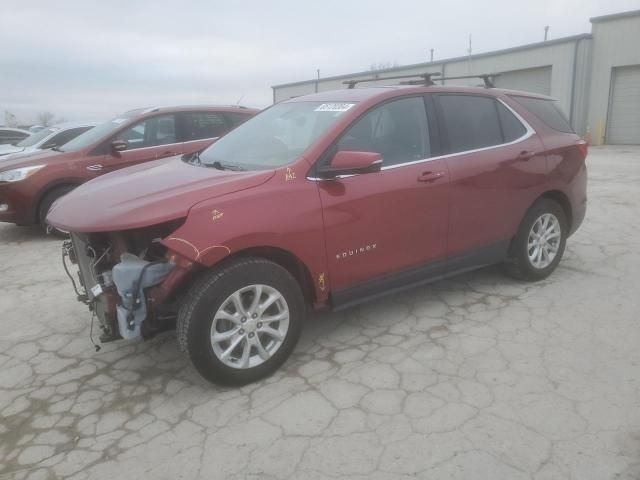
[(131, 276)]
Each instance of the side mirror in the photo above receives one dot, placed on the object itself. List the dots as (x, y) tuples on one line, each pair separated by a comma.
[(48, 145), (119, 145), (346, 162)]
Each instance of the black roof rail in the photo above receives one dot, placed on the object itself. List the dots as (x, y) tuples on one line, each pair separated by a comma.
[(426, 79), (487, 78)]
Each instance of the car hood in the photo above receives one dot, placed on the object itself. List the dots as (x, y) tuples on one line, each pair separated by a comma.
[(9, 149), (39, 157), (27, 151), (146, 194)]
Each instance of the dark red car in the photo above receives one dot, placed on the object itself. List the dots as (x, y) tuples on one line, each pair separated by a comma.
[(325, 200), (30, 184)]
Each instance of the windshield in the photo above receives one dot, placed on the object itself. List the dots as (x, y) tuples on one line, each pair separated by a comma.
[(276, 137), (94, 135), (36, 137)]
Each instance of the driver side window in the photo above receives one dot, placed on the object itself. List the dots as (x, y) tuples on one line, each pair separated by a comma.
[(397, 130), (151, 132)]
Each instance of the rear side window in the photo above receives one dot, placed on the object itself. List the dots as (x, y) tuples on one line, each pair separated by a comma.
[(471, 122), (202, 125), (512, 128), (547, 111)]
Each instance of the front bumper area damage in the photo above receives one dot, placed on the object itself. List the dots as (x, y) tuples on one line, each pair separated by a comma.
[(128, 280)]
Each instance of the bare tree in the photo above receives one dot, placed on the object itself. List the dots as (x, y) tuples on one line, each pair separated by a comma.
[(45, 118), (10, 119)]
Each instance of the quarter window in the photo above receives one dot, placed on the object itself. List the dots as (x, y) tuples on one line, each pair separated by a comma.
[(512, 128), (151, 132), (397, 130), (471, 122), (547, 111), (201, 125)]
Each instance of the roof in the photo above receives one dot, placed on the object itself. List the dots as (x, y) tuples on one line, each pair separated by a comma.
[(573, 38), (67, 125), (11, 129), (366, 93), (181, 108), (615, 16)]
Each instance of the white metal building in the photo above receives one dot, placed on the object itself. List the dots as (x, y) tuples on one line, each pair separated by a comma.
[(595, 77)]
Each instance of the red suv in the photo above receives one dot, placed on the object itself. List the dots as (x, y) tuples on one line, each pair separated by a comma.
[(324, 200), (30, 185)]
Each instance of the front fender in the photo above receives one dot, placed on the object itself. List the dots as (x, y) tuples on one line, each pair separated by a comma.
[(283, 213)]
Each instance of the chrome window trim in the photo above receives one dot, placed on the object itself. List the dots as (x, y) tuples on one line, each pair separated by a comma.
[(528, 133), (168, 144), (148, 148), (200, 140)]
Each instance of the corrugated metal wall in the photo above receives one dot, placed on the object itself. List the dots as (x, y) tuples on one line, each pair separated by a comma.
[(576, 70), (616, 43), (546, 67)]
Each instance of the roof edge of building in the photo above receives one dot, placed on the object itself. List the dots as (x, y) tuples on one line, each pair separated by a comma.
[(518, 48), (615, 16)]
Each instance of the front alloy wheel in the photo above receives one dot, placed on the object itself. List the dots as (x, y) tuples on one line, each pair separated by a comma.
[(250, 326), (240, 322)]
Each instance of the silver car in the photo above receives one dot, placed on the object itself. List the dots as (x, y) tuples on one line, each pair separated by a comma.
[(48, 137), (11, 136)]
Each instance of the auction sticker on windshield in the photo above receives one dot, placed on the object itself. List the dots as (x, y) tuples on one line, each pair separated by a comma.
[(334, 107)]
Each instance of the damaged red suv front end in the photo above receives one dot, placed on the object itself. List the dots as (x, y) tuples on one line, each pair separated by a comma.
[(128, 273)]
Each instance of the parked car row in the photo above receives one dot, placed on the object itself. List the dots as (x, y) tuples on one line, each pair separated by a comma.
[(29, 184), (45, 138), (11, 136), (322, 201)]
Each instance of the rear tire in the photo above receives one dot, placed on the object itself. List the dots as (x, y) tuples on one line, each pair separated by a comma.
[(539, 244), (227, 324), (45, 205)]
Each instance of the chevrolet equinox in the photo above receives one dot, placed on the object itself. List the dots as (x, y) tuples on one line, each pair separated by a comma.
[(324, 200)]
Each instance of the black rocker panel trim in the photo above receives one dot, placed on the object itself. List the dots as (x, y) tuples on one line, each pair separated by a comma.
[(420, 275)]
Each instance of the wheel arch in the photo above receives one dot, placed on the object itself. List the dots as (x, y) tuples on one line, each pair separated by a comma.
[(557, 196), (286, 260), (35, 215), (563, 200)]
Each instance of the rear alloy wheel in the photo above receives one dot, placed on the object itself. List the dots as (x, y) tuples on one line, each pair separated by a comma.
[(544, 241), (240, 323), (539, 244), (45, 206)]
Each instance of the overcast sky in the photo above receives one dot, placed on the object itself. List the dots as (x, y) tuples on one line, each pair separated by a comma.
[(94, 59)]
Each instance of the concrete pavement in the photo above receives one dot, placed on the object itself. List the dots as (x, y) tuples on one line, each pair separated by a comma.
[(475, 377)]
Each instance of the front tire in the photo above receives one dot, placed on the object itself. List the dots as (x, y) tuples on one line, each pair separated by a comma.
[(45, 206), (240, 323), (539, 244)]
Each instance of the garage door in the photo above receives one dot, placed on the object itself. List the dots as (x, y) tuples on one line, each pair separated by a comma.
[(537, 80), (624, 108)]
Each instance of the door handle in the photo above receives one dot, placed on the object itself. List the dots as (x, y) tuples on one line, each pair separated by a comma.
[(430, 177), (526, 155)]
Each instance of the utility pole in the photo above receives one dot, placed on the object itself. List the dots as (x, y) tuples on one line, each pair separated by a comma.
[(546, 32), (431, 57), (317, 79), (469, 52)]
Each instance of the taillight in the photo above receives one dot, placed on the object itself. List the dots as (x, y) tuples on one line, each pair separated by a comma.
[(583, 148)]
